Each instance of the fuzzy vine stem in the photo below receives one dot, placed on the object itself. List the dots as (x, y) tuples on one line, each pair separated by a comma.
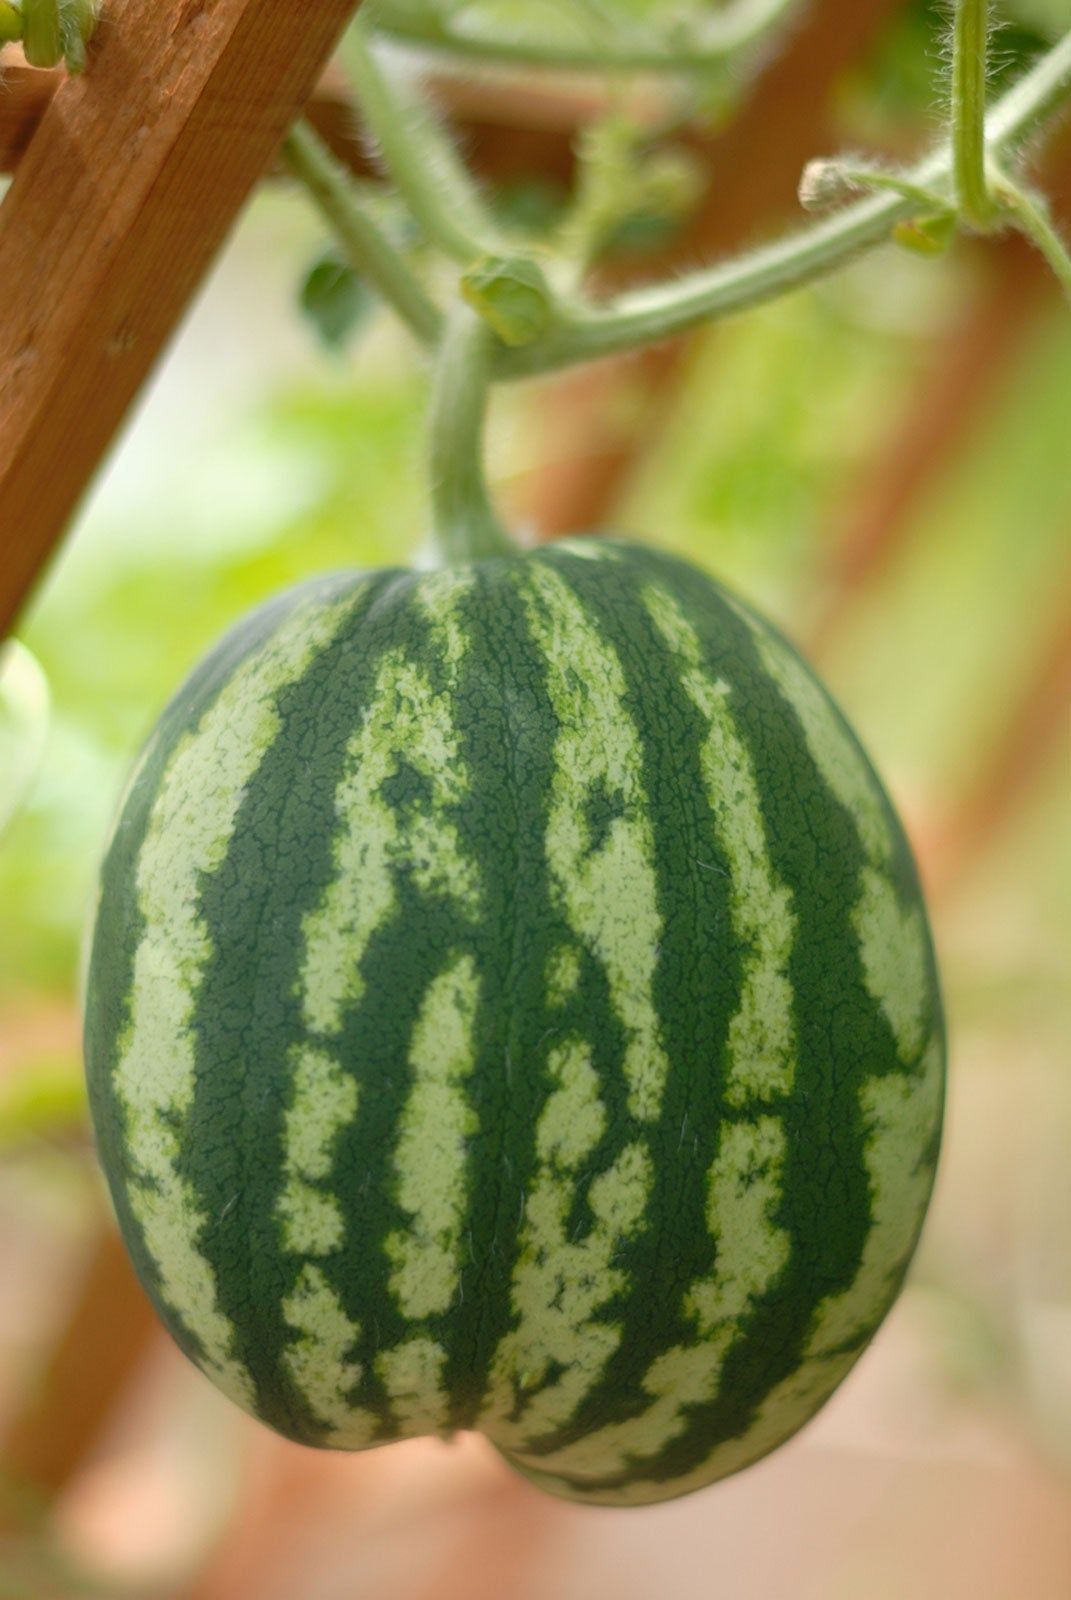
[(682, 51), (419, 157), (1029, 212), (367, 248), (650, 315), (466, 525), (970, 46)]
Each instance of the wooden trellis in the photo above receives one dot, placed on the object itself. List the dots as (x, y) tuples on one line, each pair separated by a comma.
[(121, 199)]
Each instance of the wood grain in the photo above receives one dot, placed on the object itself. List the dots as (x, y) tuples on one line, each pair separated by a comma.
[(124, 195)]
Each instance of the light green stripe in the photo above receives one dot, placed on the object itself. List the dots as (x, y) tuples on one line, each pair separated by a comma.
[(409, 722), (895, 957), (608, 891), (189, 832), (832, 747), (562, 974), (901, 1114), (762, 1043), (559, 1283), (745, 1190), (587, 549), (318, 1359), (413, 1375), (324, 1103), (430, 1155), (893, 943), (745, 1178)]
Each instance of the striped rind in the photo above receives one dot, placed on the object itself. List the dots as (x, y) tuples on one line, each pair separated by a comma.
[(512, 1006)]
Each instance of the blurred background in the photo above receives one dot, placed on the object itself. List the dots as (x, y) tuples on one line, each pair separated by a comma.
[(882, 463)]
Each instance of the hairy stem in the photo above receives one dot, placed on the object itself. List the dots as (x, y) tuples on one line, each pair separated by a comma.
[(1029, 212), (466, 526), (709, 43), (650, 315), (420, 158), (970, 44), (366, 246)]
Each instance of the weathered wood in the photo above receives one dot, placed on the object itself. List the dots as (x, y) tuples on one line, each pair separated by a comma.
[(124, 195)]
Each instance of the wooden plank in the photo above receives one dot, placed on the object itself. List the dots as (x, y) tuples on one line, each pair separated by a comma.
[(122, 199), (25, 96), (107, 1330), (542, 118)]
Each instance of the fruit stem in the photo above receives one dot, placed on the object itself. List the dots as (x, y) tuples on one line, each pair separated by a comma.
[(366, 246), (970, 45), (466, 525)]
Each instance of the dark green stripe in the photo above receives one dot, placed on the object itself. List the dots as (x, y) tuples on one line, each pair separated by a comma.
[(249, 1006), (696, 987), (842, 1035), (507, 731), (120, 926)]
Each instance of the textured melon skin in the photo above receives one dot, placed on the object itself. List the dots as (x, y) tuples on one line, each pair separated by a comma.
[(512, 1007)]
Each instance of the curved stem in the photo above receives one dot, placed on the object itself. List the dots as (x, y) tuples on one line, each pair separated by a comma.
[(367, 247), (715, 40), (970, 42), (420, 158), (649, 315), (1029, 213), (466, 525)]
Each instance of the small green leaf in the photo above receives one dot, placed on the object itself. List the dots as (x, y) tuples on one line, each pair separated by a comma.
[(511, 294), (927, 235), (335, 300)]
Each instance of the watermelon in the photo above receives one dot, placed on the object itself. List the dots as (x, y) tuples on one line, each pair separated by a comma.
[(512, 1007)]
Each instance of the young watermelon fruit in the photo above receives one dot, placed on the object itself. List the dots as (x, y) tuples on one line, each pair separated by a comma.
[(512, 1007)]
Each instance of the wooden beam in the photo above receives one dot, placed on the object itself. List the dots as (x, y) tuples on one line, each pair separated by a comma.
[(60, 1416), (542, 117), (25, 95), (124, 195)]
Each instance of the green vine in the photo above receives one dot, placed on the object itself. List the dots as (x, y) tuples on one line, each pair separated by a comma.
[(419, 157), (50, 31), (683, 49), (520, 311), (367, 248), (970, 45)]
